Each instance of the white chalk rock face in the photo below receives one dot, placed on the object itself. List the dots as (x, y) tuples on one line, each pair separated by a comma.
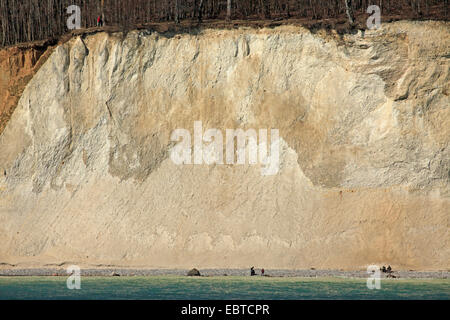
[(364, 159)]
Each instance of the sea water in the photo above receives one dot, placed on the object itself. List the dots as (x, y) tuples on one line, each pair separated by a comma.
[(250, 288)]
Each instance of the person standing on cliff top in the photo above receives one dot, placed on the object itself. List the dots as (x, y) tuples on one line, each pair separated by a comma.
[(99, 21)]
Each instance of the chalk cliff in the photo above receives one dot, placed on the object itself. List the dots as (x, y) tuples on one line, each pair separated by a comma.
[(364, 122)]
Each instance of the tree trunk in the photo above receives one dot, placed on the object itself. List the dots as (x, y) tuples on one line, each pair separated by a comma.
[(349, 11), (228, 10), (200, 11), (177, 12), (103, 13), (446, 7), (264, 8)]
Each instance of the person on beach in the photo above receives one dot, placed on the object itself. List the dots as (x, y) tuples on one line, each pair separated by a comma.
[(262, 271), (389, 269), (252, 271)]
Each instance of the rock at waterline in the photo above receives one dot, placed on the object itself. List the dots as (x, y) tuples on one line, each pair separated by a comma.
[(194, 273)]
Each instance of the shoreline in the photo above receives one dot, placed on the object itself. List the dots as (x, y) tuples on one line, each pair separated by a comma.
[(276, 273)]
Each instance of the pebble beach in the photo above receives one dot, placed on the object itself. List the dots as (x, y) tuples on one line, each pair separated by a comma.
[(401, 274)]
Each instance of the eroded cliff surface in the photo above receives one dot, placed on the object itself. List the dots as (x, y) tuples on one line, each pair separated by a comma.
[(17, 67), (364, 122)]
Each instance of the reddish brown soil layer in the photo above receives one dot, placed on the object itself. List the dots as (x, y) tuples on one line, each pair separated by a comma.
[(17, 67)]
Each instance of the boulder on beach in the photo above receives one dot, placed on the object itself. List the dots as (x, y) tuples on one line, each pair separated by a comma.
[(194, 273)]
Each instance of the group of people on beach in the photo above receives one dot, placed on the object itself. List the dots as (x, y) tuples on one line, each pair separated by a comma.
[(386, 270), (383, 269), (253, 273), (389, 272)]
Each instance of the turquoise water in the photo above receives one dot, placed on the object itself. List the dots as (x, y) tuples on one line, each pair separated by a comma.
[(174, 287)]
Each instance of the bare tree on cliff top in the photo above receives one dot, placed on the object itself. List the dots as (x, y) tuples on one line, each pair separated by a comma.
[(349, 11), (265, 8), (103, 12), (177, 12), (228, 9), (199, 10)]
